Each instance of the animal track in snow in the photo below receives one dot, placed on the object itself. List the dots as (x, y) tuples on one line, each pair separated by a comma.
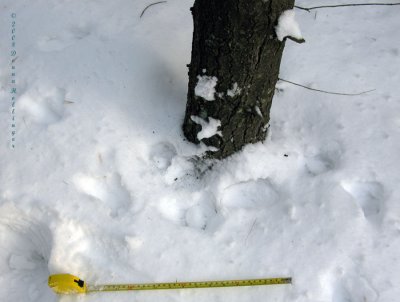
[(162, 154), (351, 289), (319, 164), (108, 188), (321, 160), (172, 209), (200, 214), (192, 210), (181, 170), (42, 107), (368, 194), (65, 39), (25, 248)]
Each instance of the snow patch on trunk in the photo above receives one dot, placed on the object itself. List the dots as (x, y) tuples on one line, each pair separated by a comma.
[(208, 129), (234, 91), (288, 26), (258, 110), (205, 87)]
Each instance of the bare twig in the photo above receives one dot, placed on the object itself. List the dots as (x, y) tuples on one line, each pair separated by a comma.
[(344, 5), (324, 91), (151, 5), (251, 229)]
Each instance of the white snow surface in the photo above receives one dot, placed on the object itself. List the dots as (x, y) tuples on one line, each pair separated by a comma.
[(102, 185), (208, 129), (288, 26), (205, 87)]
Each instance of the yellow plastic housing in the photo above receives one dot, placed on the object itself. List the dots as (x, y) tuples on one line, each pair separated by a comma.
[(67, 284)]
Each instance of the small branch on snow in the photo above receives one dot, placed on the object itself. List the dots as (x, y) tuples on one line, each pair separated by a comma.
[(344, 5), (324, 91), (251, 229), (149, 6)]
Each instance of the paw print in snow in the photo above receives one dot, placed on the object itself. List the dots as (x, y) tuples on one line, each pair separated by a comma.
[(369, 196), (42, 107)]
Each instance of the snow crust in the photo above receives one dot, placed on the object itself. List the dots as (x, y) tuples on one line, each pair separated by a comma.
[(288, 26), (102, 185), (205, 87), (208, 129)]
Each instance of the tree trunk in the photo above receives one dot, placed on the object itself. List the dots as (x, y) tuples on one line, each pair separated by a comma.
[(236, 53)]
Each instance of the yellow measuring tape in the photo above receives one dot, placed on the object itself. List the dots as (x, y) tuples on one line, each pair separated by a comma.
[(69, 284)]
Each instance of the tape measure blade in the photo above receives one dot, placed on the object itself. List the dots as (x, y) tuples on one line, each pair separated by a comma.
[(183, 285)]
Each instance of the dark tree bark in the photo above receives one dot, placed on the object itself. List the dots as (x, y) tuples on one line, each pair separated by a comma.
[(235, 42)]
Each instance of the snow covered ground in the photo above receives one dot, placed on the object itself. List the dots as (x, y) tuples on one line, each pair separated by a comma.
[(102, 185)]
